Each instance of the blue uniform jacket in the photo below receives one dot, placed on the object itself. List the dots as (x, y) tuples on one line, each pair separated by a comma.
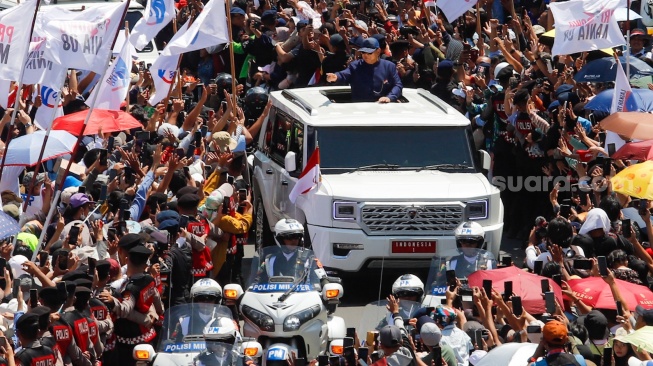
[(371, 82)]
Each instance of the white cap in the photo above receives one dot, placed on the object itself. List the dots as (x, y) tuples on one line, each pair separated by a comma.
[(476, 356), (634, 361), (167, 126)]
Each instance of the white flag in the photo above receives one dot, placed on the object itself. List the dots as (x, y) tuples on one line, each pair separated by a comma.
[(112, 89), (453, 9), (622, 92), (159, 13), (14, 38), (82, 39), (5, 86), (164, 70), (585, 26), (208, 30), (38, 69), (51, 107)]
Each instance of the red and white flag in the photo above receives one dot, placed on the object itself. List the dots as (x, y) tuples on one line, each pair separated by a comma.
[(453, 9), (309, 178), (429, 3)]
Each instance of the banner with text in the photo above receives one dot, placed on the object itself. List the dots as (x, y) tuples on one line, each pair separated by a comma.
[(586, 26), (82, 39), (113, 88), (158, 14), (14, 38)]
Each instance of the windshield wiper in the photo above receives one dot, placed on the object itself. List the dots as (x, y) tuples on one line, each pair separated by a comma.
[(292, 288), (376, 166), (443, 166)]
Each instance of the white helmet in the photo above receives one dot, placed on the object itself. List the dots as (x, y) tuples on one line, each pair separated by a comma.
[(408, 285), (288, 229), (470, 231), (206, 287)]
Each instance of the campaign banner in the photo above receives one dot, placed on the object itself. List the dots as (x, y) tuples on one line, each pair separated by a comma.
[(14, 38), (585, 26), (82, 39), (38, 69), (112, 89), (159, 14), (164, 70)]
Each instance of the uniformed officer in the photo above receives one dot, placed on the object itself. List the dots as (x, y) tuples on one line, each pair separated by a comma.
[(33, 352), (85, 309), (79, 323), (470, 238)]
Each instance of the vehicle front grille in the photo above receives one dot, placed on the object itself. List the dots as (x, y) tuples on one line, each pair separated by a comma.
[(410, 220)]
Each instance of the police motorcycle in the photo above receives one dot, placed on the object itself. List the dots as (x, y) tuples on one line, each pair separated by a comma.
[(468, 257), (408, 290), (290, 301)]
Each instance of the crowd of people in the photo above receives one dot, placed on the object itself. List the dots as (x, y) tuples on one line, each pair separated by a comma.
[(144, 214)]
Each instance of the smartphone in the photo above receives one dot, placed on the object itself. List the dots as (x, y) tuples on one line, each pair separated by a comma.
[(129, 175), (334, 361), (603, 266), (242, 194), (191, 151), (15, 287), (606, 360), (112, 175), (363, 352), (487, 287), (620, 310), (550, 301), (43, 259), (183, 221), (583, 198), (607, 167), (230, 179), (348, 342), (557, 279), (351, 333), (3, 342), (343, 22), (565, 211), (533, 329), (478, 338), (180, 153), (91, 266), (110, 142), (3, 265), (73, 234), (198, 137), (225, 205), (143, 135), (103, 157), (516, 306), (643, 206), (300, 361), (122, 226), (451, 279), (111, 233), (61, 288), (437, 356), (544, 283), (611, 149), (537, 267), (103, 193), (62, 261), (584, 264), (506, 261), (33, 298), (350, 355), (626, 228), (323, 360), (81, 189), (507, 290)]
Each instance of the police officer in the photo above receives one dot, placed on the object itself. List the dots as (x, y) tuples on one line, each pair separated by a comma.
[(83, 303), (470, 239), (33, 352), (44, 335), (79, 323), (60, 330)]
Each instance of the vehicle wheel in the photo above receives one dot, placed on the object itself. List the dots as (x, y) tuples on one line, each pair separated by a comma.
[(264, 235)]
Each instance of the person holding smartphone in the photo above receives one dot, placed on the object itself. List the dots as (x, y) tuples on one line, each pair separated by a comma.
[(27, 331), (553, 346)]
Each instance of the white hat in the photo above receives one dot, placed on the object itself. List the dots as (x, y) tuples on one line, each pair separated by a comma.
[(459, 93), (476, 356), (16, 264), (167, 126), (500, 67), (197, 177), (634, 361)]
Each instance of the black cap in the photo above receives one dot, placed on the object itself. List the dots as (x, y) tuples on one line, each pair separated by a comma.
[(102, 267), (52, 296), (82, 282), (505, 73), (129, 241), (27, 323), (70, 288), (188, 201), (43, 312), (140, 249), (75, 275), (186, 190), (399, 46)]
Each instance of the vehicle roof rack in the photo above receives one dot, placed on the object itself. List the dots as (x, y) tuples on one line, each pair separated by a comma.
[(301, 103), (343, 95), (436, 102)]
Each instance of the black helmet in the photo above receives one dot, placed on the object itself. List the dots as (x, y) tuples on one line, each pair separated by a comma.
[(255, 100), (224, 83)]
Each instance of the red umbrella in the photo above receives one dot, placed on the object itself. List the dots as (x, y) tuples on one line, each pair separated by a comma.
[(642, 150), (595, 292), (524, 284), (110, 121)]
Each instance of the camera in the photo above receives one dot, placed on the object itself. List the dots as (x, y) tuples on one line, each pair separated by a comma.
[(405, 31)]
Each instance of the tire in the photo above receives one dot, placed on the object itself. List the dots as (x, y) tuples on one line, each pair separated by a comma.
[(263, 237)]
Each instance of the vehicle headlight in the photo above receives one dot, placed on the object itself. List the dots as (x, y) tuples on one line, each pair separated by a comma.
[(294, 321), (345, 210), (477, 210), (263, 321)]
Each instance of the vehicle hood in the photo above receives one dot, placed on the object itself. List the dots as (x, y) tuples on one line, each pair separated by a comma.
[(405, 185), (296, 302), (174, 359)]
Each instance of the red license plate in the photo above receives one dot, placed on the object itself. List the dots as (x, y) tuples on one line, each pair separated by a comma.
[(413, 246)]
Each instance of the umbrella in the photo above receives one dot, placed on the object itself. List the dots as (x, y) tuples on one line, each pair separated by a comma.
[(604, 69), (621, 16), (634, 125), (109, 121), (596, 293), (642, 338), (8, 226), (640, 100), (635, 180), (509, 354), (524, 284), (25, 150), (642, 150)]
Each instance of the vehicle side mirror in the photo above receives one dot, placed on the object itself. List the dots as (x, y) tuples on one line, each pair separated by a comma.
[(143, 352), (332, 292), (290, 162), (485, 159)]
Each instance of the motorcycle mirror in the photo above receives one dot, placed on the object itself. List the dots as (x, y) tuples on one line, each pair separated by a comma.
[(143, 352), (252, 349), (332, 292)]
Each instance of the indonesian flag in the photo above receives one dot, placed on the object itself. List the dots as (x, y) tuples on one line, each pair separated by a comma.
[(429, 3), (309, 178), (317, 76)]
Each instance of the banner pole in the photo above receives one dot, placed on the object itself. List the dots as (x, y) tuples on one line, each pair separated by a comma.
[(95, 95), (231, 54), (628, 40), (19, 90), (48, 219)]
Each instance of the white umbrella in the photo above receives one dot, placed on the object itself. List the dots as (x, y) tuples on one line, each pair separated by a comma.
[(620, 15), (25, 150), (509, 354)]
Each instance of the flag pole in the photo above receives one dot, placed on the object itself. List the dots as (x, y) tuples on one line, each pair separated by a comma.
[(126, 97), (95, 95), (19, 90), (628, 40), (231, 53), (53, 206)]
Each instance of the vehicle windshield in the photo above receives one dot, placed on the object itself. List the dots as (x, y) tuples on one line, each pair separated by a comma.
[(277, 269), (186, 327), (375, 315), (464, 261), (404, 147)]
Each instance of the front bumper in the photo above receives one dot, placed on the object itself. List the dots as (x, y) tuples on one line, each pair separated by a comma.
[(374, 251)]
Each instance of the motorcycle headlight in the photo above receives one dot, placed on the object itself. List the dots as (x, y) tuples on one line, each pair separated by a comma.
[(263, 321), (477, 210), (294, 321)]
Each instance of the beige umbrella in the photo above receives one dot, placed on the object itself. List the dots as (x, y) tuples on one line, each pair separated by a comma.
[(634, 125)]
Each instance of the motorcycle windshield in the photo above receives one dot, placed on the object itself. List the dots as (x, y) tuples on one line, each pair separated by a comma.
[(280, 269), (218, 354), (186, 327), (375, 315), (465, 262)]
